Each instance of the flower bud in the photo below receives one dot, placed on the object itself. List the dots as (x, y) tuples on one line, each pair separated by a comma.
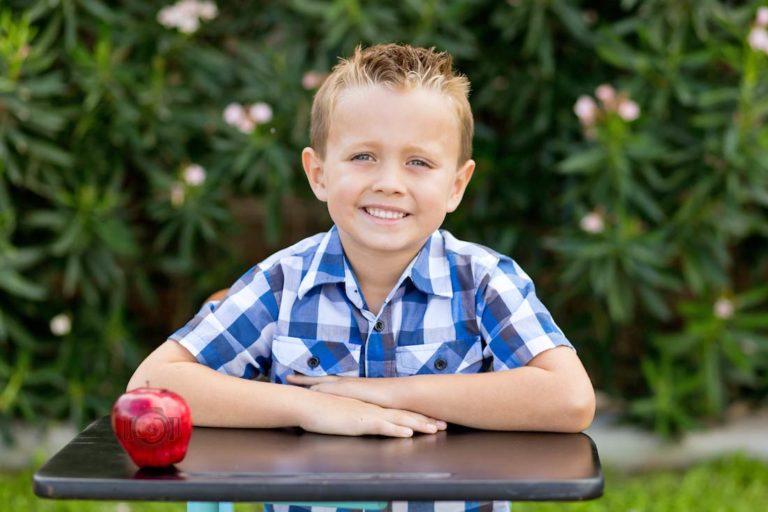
[(312, 80), (606, 94), (585, 109), (260, 112), (61, 324), (592, 223), (194, 175), (761, 20), (723, 308), (246, 125), (234, 113), (758, 39), (628, 110)]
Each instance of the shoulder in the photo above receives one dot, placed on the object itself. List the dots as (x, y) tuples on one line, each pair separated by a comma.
[(278, 268), (489, 267)]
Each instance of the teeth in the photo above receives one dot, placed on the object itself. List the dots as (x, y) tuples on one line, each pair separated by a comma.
[(384, 214)]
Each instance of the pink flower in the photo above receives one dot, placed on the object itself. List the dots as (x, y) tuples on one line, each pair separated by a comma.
[(592, 223), (758, 39), (246, 125), (312, 80), (723, 308), (628, 110), (260, 112), (606, 94), (761, 20), (194, 175), (585, 109), (234, 114)]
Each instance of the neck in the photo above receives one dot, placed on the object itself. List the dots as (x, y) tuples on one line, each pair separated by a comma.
[(377, 272)]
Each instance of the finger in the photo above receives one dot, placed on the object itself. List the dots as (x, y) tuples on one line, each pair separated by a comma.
[(306, 380), (415, 421), (390, 429)]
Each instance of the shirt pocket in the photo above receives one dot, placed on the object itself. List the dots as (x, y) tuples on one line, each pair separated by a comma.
[(446, 357), (314, 357)]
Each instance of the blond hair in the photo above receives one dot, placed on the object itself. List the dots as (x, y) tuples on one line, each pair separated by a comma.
[(397, 66)]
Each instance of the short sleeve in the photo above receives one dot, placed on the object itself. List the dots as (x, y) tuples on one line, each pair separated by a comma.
[(234, 335), (515, 324)]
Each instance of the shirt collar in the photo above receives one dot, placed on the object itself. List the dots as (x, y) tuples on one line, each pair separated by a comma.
[(429, 270)]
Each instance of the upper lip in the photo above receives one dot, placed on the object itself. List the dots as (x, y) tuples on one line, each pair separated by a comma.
[(385, 207)]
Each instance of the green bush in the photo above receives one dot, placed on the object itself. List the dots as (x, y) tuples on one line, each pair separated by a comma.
[(126, 142)]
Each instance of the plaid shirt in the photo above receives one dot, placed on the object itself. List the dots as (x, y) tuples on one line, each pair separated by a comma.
[(458, 307)]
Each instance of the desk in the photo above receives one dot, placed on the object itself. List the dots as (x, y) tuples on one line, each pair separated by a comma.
[(277, 465)]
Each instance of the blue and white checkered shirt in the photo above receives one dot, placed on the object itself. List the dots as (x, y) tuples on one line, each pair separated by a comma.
[(458, 307)]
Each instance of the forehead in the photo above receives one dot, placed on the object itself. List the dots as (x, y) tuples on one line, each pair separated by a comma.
[(419, 116)]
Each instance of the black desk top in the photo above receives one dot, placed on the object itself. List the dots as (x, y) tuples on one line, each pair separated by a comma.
[(293, 465)]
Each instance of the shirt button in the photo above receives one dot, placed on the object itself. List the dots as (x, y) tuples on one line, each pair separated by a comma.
[(313, 362), (378, 326), (440, 364)]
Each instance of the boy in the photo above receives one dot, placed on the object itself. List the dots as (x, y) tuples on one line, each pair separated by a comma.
[(384, 294)]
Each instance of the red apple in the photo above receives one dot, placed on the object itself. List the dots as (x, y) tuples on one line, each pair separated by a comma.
[(153, 425)]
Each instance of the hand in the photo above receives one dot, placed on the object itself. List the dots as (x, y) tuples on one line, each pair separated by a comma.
[(355, 417)]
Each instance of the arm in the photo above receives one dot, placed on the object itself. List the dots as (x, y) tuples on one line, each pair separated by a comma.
[(551, 393), (216, 399)]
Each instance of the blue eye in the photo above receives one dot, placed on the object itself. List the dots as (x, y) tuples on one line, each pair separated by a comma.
[(419, 162), (363, 157)]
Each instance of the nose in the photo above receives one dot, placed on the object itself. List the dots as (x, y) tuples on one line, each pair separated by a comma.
[(389, 179)]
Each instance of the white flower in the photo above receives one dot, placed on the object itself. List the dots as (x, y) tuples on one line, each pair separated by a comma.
[(260, 113), (585, 109), (167, 17), (234, 114), (628, 110), (185, 15), (61, 324), (606, 94), (761, 20), (207, 10), (723, 308), (194, 175), (177, 194), (188, 25), (758, 39), (592, 223)]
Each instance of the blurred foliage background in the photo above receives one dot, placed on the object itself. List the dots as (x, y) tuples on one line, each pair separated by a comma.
[(149, 154)]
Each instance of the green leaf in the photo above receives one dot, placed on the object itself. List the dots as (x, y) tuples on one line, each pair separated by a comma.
[(15, 284), (588, 161)]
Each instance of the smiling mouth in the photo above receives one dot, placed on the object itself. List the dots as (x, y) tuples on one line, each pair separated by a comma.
[(384, 214)]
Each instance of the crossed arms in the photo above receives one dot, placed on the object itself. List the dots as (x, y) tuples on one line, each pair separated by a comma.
[(551, 393)]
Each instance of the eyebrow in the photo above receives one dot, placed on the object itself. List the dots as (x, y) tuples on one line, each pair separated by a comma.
[(411, 148)]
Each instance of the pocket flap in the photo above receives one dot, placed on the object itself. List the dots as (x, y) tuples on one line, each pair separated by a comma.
[(443, 357), (317, 357)]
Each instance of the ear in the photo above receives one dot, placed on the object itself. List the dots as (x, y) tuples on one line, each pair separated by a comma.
[(460, 182), (313, 168)]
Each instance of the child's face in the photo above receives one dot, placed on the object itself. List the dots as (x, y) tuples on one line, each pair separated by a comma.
[(390, 172)]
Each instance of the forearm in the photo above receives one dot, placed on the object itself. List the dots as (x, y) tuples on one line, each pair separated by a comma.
[(527, 398), (219, 400), (552, 393)]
